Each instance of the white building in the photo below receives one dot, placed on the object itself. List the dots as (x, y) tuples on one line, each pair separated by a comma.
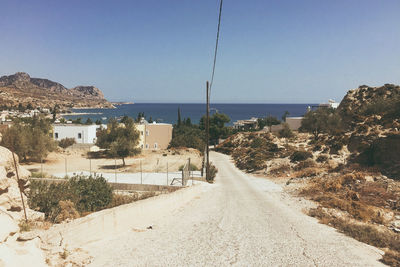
[(83, 134)]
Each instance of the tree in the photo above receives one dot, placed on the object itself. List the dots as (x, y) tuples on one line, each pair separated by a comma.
[(29, 106), (179, 122), (268, 121), (188, 136), (217, 126), (322, 120), (120, 140), (150, 120), (29, 138), (284, 116), (98, 122), (89, 121)]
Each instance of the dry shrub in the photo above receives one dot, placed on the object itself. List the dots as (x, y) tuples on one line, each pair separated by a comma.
[(308, 163), (391, 258), (281, 169), (375, 194), (308, 172), (322, 158), (357, 209), (364, 233), (66, 211), (122, 199)]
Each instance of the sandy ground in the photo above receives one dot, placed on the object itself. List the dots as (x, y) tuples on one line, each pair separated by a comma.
[(76, 161), (240, 220)]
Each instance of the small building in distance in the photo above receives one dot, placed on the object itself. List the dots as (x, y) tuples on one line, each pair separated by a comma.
[(246, 124), (83, 134)]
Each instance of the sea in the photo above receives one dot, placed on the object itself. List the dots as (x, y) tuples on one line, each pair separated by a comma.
[(168, 112)]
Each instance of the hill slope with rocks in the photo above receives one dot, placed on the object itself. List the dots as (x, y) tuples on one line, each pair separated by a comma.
[(20, 88)]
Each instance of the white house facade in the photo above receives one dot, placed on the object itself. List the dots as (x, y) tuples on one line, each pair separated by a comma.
[(83, 134)]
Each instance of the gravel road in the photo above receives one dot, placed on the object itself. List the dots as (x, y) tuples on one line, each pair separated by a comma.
[(240, 220)]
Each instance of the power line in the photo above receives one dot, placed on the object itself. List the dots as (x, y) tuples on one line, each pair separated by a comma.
[(216, 45)]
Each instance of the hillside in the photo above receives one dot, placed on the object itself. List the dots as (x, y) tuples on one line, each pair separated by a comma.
[(20, 88), (352, 173)]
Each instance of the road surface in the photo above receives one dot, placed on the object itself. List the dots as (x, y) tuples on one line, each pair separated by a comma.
[(240, 220)]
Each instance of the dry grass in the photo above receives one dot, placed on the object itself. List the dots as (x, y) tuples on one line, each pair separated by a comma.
[(308, 163), (121, 199), (308, 172), (67, 210), (280, 170), (366, 233), (350, 193)]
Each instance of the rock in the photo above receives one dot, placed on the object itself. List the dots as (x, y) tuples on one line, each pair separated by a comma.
[(22, 254), (396, 223), (369, 178), (26, 236), (8, 226)]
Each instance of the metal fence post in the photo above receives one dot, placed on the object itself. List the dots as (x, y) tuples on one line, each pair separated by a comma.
[(167, 172), (66, 171), (115, 169), (41, 167)]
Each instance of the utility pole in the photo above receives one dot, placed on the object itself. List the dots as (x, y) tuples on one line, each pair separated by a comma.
[(66, 170), (141, 173), (115, 169), (207, 133), (41, 167), (19, 186)]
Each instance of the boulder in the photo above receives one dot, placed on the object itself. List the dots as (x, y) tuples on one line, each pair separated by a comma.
[(22, 254), (8, 226)]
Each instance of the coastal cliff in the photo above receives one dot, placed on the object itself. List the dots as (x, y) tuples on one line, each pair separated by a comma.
[(20, 88)]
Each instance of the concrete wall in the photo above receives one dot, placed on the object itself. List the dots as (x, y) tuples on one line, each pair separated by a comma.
[(102, 224), (294, 122), (87, 133), (158, 136)]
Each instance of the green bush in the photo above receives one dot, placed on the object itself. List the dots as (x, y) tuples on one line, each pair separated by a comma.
[(300, 156), (285, 132), (213, 172), (192, 167), (66, 142), (88, 194)]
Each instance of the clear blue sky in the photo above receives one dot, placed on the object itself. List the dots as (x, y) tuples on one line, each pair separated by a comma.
[(299, 51)]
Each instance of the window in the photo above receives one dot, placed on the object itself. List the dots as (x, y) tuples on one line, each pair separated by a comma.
[(147, 145), (56, 135), (79, 136), (147, 132), (141, 132), (155, 145), (141, 146)]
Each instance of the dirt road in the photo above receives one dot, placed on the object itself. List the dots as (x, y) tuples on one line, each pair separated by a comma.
[(240, 220)]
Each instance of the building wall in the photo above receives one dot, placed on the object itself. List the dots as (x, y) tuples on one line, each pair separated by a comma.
[(87, 133), (294, 122), (142, 131), (157, 136)]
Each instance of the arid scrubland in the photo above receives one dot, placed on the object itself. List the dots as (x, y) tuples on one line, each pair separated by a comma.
[(349, 164)]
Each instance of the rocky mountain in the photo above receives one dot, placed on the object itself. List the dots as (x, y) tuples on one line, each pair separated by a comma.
[(20, 88)]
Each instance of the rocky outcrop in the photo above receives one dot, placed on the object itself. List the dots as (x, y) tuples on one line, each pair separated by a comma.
[(12, 251), (20, 88)]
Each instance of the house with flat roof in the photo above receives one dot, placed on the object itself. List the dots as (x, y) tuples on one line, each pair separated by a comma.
[(246, 124), (83, 134)]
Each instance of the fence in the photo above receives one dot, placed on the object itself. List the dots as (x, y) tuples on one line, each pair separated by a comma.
[(140, 172)]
